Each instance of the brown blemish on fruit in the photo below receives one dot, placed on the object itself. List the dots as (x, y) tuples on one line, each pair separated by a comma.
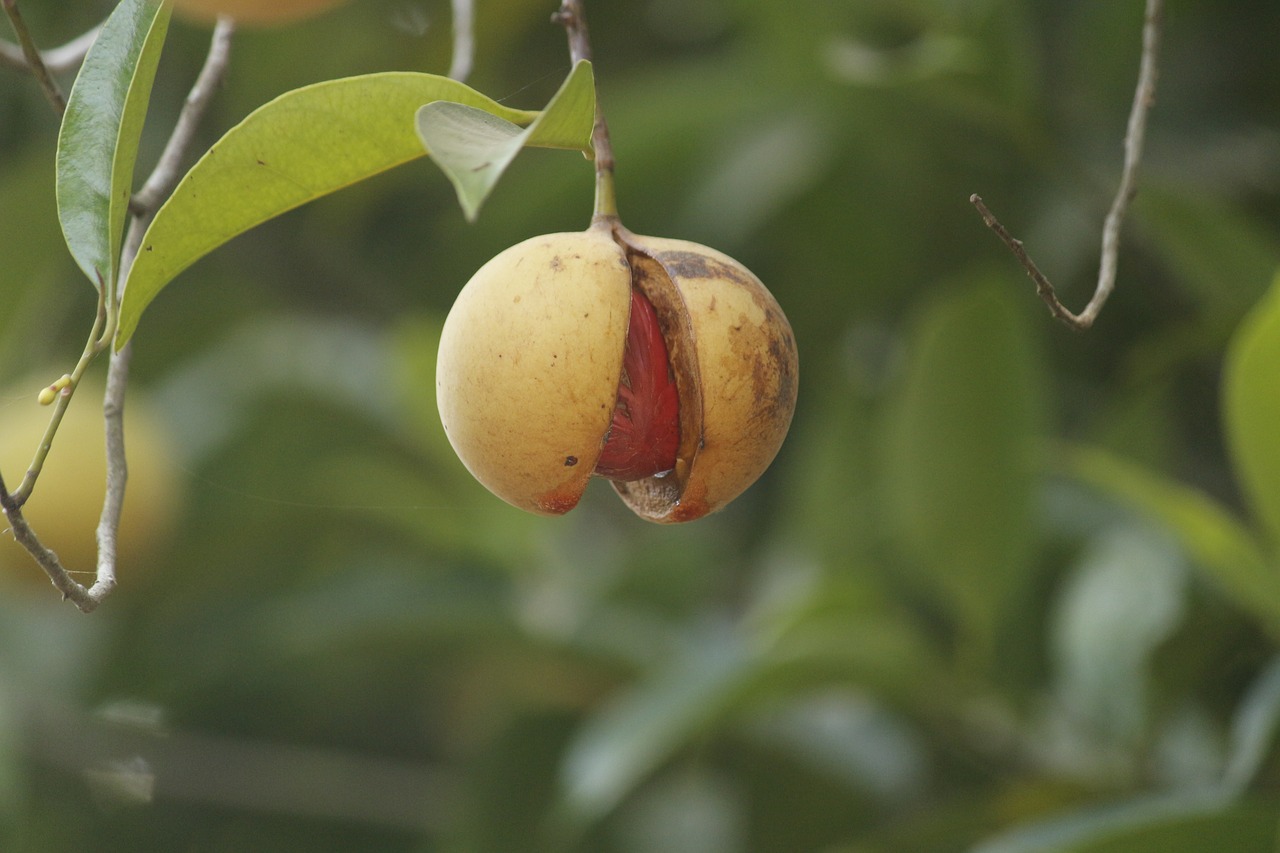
[(682, 264), (557, 502), (570, 461), (782, 350), (692, 504)]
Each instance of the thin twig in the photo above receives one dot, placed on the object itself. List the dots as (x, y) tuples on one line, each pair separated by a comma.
[(464, 43), (1143, 98), (48, 560), (168, 169), (58, 60), (34, 61), (143, 207)]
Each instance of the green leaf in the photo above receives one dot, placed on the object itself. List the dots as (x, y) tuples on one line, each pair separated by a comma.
[(959, 441), (1222, 547), (304, 144), (98, 141), (474, 147), (636, 733), (1251, 403), (1173, 823)]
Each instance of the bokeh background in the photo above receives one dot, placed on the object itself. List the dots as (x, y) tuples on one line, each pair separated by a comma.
[(978, 602)]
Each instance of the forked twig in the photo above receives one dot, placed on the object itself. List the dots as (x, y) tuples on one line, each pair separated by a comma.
[(1143, 98), (143, 207)]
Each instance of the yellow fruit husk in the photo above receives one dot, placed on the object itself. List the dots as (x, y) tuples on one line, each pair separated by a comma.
[(529, 362)]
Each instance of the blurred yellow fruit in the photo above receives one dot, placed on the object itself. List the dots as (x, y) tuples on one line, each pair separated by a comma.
[(64, 508), (257, 13)]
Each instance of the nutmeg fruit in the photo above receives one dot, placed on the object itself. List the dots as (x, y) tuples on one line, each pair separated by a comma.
[(661, 365)]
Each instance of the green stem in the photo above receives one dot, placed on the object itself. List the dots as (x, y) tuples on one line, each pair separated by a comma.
[(94, 346), (606, 205)]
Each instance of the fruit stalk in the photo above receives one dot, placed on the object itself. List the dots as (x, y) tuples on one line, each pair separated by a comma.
[(571, 17)]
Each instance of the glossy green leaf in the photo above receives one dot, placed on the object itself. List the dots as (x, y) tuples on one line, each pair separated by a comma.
[(98, 141), (474, 147), (304, 144), (1251, 403), (632, 736), (1222, 547), (958, 447)]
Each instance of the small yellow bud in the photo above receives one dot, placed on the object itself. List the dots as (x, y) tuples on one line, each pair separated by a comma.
[(50, 393)]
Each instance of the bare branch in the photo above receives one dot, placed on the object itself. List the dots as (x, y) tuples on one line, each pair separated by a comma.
[(1143, 98), (117, 472), (167, 171), (143, 207), (32, 59), (464, 44)]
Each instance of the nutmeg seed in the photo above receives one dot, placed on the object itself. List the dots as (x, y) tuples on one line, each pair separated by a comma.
[(662, 365)]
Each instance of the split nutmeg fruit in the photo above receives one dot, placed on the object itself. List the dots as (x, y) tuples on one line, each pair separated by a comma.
[(662, 365)]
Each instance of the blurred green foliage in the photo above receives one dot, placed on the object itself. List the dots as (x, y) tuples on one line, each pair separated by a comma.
[(1006, 588)]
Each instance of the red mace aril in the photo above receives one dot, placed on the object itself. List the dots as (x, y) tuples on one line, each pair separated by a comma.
[(661, 365), (645, 432)]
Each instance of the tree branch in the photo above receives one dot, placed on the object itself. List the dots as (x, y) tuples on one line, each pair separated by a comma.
[(1143, 99), (48, 560), (143, 207), (33, 61)]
